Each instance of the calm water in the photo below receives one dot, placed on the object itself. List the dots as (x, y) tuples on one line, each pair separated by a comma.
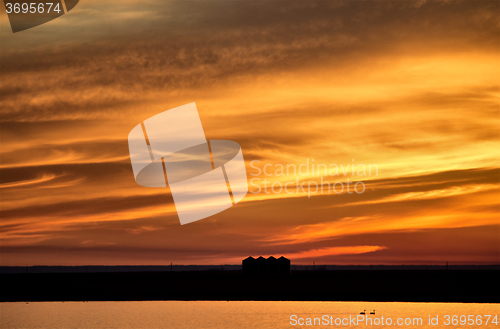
[(209, 314)]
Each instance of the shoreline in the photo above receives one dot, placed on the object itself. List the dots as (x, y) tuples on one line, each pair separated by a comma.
[(457, 286)]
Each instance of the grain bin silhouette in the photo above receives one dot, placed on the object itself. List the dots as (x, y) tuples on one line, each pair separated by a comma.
[(262, 267)]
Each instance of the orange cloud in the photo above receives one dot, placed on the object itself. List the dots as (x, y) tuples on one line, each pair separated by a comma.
[(334, 251), (412, 88)]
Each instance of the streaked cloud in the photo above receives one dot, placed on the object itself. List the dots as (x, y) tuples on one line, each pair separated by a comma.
[(409, 86)]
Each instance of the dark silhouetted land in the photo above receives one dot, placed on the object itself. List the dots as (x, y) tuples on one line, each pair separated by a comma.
[(475, 284)]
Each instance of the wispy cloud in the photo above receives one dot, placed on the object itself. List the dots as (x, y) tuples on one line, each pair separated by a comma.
[(409, 86)]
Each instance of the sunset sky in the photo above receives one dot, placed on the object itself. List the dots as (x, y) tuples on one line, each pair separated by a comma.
[(412, 87)]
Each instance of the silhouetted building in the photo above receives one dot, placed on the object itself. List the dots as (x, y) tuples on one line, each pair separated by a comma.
[(284, 265), (262, 266), (250, 266), (266, 267), (274, 267)]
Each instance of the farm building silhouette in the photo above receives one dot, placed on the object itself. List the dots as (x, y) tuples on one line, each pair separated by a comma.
[(266, 267)]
